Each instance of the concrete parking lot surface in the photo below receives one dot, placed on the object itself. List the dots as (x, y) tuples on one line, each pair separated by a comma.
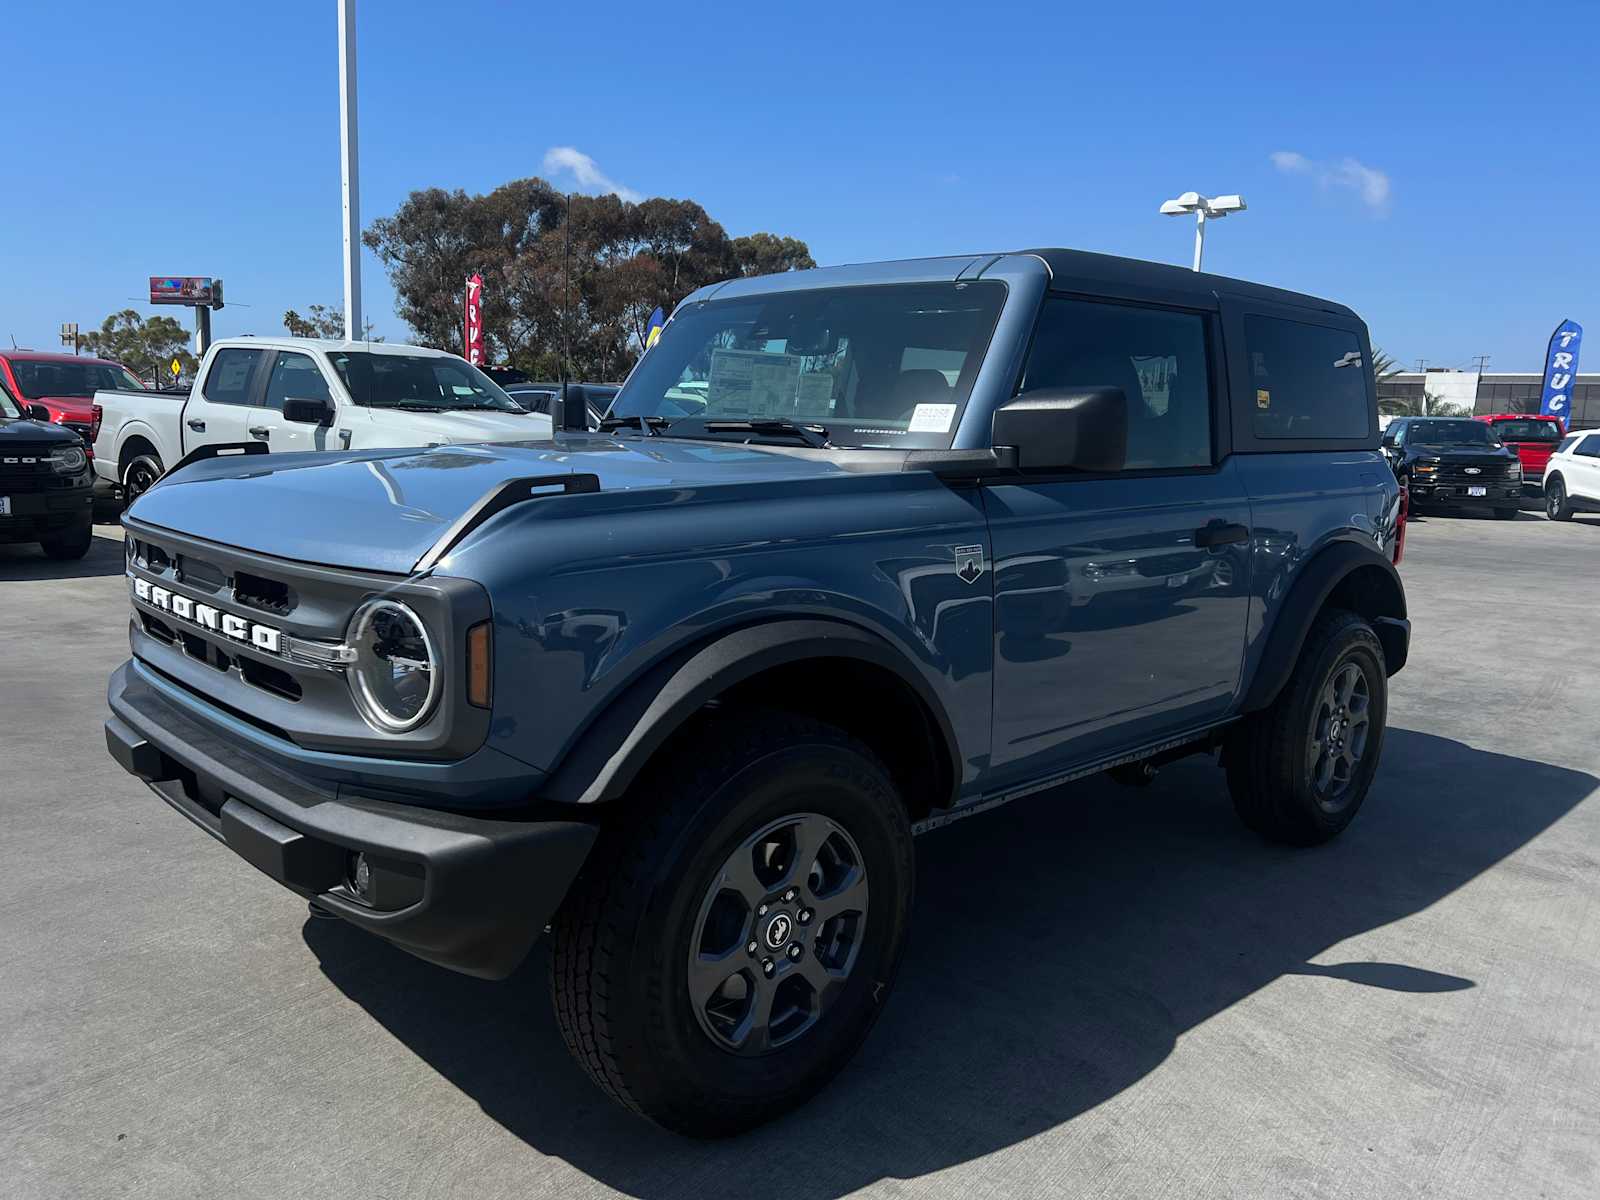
[(1108, 992)]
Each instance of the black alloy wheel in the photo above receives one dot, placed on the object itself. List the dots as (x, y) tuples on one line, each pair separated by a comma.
[(778, 934)]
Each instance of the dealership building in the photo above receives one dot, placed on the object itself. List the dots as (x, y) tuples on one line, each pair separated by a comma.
[(1486, 392)]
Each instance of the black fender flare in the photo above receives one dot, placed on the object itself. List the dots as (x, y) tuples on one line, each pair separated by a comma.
[(611, 751), (1331, 566)]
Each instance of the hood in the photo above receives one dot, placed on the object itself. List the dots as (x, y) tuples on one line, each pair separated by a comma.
[(23, 432), (71, 408), (381, 510)]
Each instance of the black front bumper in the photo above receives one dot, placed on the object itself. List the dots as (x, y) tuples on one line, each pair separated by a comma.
[(46, 514), (1496, 495), (470, 893)]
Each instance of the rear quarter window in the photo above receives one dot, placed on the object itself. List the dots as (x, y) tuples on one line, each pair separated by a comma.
[(1307, 381)]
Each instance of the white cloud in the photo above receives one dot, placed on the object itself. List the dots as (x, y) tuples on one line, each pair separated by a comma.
[(586, 172), (1349, 174)]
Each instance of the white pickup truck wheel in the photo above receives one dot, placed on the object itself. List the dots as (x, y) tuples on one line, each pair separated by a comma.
[(139, 476)]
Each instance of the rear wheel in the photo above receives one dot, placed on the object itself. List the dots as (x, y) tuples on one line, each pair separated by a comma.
[(738, 928), (1556, 505), (140, 476), (1299, 771)]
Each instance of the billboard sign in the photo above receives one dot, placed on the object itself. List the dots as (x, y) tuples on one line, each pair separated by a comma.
[(192, 290), (1560, 370), (472, 321)]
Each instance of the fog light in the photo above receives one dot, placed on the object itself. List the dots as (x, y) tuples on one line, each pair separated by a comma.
[(361, 877)]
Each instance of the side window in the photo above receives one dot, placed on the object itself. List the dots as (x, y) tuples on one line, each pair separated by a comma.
[(295, 377), (1566, 444), (1590, 447), (229, 379), (1156, 356), (1308, 381)]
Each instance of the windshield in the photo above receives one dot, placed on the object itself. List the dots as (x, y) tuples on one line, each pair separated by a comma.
[(417, 381), (1450, 433), (888, 366), (38, 379), (1527, 431)]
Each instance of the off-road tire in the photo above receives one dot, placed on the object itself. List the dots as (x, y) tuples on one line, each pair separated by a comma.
[(1557, 506), (65, 547), (621, 941), (1269, 756)]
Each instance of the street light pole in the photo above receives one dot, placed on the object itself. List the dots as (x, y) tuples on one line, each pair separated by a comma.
[(350, 186), (1202, 207)]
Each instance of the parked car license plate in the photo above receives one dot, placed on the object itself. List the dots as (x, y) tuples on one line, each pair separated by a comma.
[(1477, 491), (5, 506)]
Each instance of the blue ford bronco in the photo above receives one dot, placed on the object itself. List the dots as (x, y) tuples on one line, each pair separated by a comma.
[(860, 551)]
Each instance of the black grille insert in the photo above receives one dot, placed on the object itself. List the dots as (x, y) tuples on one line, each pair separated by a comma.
[(270, 595), (269, 679)]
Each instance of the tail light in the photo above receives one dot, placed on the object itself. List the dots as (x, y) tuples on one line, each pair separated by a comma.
[(96, 415), (1400, 525)]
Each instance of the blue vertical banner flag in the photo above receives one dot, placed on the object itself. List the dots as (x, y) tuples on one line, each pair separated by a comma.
[(1561, 370), (652, 332)]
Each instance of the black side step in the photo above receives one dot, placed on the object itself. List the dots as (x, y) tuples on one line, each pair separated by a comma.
[(499, 498)]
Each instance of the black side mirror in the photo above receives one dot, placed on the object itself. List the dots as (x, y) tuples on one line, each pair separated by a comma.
[(37, 411), (1069, 429), (307, 412)]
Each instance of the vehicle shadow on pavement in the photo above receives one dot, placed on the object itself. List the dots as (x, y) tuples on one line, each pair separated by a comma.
[(1060, 948), (25, 561)]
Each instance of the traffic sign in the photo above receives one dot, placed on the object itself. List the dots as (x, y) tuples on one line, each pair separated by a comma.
[(175, 367)]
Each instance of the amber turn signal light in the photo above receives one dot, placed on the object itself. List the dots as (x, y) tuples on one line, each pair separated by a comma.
[(479, 681)]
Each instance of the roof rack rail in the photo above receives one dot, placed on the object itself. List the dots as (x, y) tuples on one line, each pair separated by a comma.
[(499, 498)]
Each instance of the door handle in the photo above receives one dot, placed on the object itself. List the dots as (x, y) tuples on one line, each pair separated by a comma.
[(1219, 533), (260, 431), (198, 426)]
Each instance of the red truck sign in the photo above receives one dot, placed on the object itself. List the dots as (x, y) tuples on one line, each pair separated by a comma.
[(472, 321)]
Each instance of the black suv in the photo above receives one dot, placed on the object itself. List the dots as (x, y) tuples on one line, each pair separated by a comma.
[(1454, 461), (46, 487)]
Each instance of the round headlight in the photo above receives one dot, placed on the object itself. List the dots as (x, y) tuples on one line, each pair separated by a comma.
[(69, 460), (395, 675)]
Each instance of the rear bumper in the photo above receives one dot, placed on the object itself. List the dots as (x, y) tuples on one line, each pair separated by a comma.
[(466, 892)]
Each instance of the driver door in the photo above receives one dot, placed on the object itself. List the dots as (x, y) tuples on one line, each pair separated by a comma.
[(293, 376)]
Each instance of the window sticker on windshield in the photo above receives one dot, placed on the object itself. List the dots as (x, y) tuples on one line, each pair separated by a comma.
[(931, 418), (1263, 398), (814, 395), (752, 383)]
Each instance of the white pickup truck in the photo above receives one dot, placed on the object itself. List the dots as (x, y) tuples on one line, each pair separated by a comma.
[(296, 394)]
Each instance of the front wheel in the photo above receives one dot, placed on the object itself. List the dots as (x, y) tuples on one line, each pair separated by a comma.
[(1556, 505), (1299, 770), (738, 927), (70, 545)]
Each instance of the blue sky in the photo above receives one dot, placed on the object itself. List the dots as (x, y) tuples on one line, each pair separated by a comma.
[(1430, 165)]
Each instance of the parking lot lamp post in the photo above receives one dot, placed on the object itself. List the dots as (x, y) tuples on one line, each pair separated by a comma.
[(1202, 207), (349, 177)]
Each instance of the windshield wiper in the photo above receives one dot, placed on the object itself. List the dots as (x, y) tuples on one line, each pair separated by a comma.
[(649, 426), (815, 436)]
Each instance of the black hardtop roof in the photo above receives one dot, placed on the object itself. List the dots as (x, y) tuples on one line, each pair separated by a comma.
[(1067, 265)]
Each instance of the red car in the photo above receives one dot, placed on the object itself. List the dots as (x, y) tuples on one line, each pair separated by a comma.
[(1532, 436), (64, 383)]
